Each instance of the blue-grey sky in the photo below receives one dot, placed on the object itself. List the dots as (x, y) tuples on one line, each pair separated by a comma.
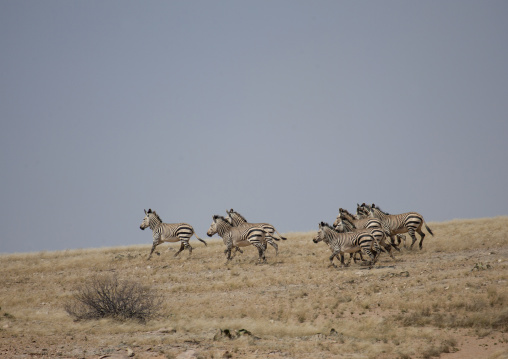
[(283, 110)]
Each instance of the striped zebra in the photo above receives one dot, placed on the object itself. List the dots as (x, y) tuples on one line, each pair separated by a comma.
[(409, 222), (235, 219), (361, 221), (345, 226), (349, 242), (362, 212), (240, 236), (375, 227), (168, 232)]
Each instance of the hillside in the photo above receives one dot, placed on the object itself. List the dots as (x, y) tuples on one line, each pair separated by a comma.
[(448, 300)]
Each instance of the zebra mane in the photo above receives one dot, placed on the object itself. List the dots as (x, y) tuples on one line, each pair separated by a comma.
[(324, 224), (349, 222), (215, 217), (345, 214), (238, 214), (155, 214), (379, 209)]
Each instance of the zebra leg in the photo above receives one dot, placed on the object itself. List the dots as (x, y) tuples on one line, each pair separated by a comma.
[(331, 260), (400, 238), (342, 258), (188, 247), (388, 248), (261, 252), (354, 256), (182, 246), (377, 248), (237, 249), (351, 255), (371, 256), (411, 232), (394, 246), (156, 242), (228, 254), (273, 244), (422, 235)]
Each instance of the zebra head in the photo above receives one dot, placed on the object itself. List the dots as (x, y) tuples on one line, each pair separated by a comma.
[(320, 234), (229, 218), (363, 210), (339, 225), (146, 220), (234, 218), (215, 227), (338, 220)]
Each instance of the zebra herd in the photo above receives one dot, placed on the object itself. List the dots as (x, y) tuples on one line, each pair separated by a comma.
[(369, 232)]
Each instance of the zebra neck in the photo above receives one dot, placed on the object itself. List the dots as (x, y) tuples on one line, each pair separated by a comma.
[(237, 222), (154, 224), (329, 236), (223, 228), (379, 214)]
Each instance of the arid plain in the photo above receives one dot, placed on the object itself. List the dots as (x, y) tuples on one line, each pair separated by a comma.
[(449, 300)]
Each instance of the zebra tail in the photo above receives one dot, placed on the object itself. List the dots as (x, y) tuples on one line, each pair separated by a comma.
[(283, 238), (200, 239), (428, 229)]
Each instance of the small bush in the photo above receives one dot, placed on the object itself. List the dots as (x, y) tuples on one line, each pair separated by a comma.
[(109, 297)]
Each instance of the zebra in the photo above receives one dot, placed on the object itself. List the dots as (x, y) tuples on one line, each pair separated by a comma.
[(239, 236), (363, 211), (359, 222), (401, 223), (235, 219), (375, 227), (345, 226), (349, 242), (168, 232)]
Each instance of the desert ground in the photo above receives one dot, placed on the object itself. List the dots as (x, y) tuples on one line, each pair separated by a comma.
[(448, 300)]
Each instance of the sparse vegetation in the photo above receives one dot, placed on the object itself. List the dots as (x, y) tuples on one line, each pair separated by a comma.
[(293, 307), (108, 297)]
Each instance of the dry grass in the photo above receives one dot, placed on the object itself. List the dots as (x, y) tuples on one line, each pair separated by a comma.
[(294, 306)]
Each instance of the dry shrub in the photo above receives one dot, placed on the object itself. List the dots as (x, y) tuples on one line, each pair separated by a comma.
[(109, 297)]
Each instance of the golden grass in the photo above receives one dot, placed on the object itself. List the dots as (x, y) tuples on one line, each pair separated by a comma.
[(294, 306)]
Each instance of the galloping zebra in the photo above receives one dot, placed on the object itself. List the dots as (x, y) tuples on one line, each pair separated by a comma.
[(363, 213), (235, 219), (168, 232), (240, 236), (409, 222), (353, 222), (375, 228), (349, 242)]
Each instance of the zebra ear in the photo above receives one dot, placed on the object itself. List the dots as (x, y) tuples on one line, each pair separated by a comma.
[(149, 210), (145, 211)]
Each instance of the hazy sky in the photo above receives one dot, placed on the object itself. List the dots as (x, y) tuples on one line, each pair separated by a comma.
[(283, 110)]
